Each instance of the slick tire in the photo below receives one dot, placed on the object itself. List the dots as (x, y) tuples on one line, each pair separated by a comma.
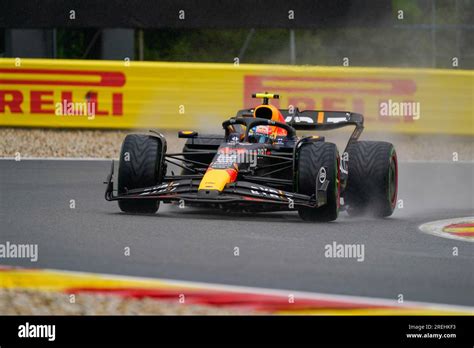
[(311, 158), (372, 182), (139, 167)]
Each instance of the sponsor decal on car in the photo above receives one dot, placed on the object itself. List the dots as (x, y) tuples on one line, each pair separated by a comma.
[(263, 191), (322, 175), (163, 188)]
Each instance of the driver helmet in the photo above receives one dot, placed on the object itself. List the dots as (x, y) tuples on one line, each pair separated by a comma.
[(265, 134)]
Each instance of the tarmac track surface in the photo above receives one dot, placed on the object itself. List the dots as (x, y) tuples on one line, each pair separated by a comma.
[(276, 250)]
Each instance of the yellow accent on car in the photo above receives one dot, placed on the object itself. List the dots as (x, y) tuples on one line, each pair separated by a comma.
[(265, 95), (214, 179)]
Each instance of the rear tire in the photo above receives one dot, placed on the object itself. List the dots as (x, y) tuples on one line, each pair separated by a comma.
[(140, 166), (312, 157), (372, 182)]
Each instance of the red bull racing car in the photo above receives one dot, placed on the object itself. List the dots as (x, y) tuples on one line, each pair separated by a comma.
[(259, 163)]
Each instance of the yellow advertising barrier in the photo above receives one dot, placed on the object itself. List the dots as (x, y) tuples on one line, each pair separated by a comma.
[(115, 94)]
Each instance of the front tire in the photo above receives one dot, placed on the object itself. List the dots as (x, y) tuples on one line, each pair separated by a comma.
[(312, 157), (140, 166), (372, 182)]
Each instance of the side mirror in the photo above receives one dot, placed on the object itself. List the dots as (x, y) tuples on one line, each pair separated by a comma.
[(187, 134)]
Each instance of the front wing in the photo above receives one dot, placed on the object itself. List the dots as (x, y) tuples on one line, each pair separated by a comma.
[(240, 192)]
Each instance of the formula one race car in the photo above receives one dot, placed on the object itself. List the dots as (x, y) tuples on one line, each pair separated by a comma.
[(260, 164)]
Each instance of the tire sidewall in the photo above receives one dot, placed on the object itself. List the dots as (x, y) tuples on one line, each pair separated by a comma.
[(141, 170), (329, 159)]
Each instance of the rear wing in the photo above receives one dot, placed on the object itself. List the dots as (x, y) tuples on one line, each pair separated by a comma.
[(316, 119), (322, 120), (325, 120)]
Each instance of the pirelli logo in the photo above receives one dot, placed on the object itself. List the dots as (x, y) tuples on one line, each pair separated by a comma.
[(357, 94), (37, 91)]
